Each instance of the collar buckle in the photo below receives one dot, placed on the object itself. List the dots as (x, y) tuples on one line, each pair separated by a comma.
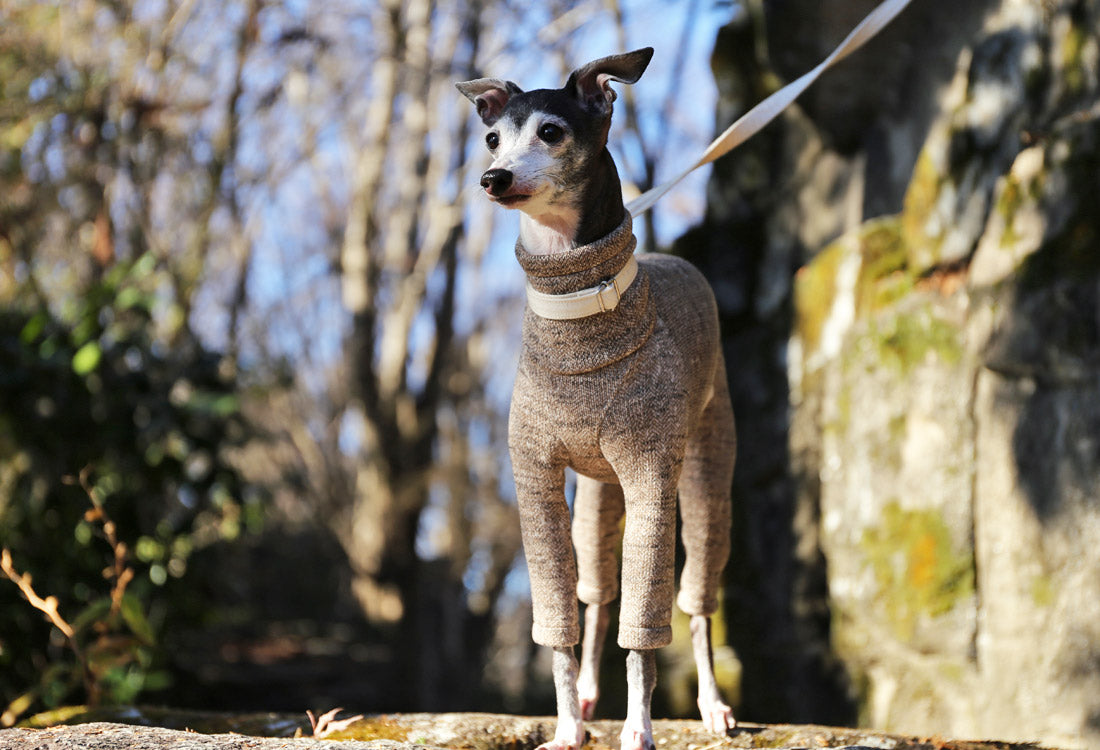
[(612, 284)]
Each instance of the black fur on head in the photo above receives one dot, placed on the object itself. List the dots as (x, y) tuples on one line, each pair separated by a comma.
[(585, 104), (588, 85)]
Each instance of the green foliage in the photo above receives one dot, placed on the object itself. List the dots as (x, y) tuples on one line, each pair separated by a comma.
[(96, 389), (110, 643), (1073, 63)]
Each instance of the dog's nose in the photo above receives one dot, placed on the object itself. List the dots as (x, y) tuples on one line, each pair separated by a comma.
[(496, 181)]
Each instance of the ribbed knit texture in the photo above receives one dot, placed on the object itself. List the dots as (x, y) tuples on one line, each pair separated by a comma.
[(635, 400)]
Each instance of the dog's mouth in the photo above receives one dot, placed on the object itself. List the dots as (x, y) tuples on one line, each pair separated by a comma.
[(511, 200)]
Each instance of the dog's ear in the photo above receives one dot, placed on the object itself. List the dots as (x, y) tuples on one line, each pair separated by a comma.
[(591, 83), (489, 95)]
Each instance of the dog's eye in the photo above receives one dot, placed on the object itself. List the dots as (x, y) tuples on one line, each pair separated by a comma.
[(550, 133), (492, 140)]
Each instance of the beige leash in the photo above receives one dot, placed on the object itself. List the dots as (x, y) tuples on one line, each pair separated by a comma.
[(764, 112)]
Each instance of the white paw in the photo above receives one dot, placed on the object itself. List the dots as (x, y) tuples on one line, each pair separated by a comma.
[(632, 739), (717, 716), (559, 745), (568, 736), (588, 693)]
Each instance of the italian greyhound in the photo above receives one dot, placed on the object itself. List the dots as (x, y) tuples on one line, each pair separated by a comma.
[(621, 378)]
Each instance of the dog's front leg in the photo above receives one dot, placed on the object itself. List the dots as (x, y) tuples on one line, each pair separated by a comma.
[(547, 545), (641, 678), (649, 479), (569, 734), (544, 520)]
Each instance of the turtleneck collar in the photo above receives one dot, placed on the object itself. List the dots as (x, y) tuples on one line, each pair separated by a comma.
[(579, 267), (570, 347)]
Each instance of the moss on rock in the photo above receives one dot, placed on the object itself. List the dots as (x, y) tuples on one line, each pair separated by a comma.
[(916, 565), (1071, 251), (906, 339), (881, 279), (815, 289), (919, 230), (1074, 71)]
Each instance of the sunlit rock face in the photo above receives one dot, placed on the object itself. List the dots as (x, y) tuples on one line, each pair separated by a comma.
[(913, 295)]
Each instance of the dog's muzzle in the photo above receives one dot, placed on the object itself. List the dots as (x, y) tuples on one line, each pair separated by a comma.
[(497, 181)]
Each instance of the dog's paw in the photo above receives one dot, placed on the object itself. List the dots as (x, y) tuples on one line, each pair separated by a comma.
[(632, 739), (568, 736), (588, 693), (559, 745), (717, 716)]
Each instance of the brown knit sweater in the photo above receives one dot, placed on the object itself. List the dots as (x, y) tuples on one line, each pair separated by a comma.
[(635, 400)]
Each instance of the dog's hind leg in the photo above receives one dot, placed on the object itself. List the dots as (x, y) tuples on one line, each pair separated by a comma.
[(596, 617), (705, 511), (717, 715), (597, 514)]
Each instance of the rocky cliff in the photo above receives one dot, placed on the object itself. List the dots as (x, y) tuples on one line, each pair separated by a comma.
[(909, 269)]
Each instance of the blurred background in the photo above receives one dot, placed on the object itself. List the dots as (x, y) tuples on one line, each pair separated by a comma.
[(258, 330)]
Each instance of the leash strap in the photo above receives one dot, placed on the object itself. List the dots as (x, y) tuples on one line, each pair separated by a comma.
[(764, 112), (597, 299)]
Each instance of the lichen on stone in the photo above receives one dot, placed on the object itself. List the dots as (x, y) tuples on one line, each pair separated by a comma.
[(918, 570), (921, 231), (884, 277), (905, 339), (1043, 591), (1074, 45), (815, 289), (879, 279)]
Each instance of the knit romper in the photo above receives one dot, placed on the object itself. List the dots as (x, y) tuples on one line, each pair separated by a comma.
[(635, 400)]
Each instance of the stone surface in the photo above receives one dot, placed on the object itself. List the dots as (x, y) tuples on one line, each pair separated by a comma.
[(104, 736), (473, 731)]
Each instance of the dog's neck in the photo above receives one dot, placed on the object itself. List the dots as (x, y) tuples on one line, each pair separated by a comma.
[(569, 347), (597, 212), (549, 233)]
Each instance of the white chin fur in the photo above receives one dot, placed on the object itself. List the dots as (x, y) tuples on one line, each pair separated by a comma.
[(549, 223), (546, 238)]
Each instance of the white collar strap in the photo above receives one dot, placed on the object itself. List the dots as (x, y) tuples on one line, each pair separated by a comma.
[(603, 297)]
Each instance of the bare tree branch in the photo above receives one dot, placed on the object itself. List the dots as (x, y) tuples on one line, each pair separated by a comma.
[(359, 272)]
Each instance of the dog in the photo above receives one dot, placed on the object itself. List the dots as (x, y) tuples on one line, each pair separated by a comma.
[(621, 378)]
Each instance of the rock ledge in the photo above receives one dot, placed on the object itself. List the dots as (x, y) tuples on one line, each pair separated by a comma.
[(459, 730)]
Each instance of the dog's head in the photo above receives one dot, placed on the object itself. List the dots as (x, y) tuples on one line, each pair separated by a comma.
[(544, 141)]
